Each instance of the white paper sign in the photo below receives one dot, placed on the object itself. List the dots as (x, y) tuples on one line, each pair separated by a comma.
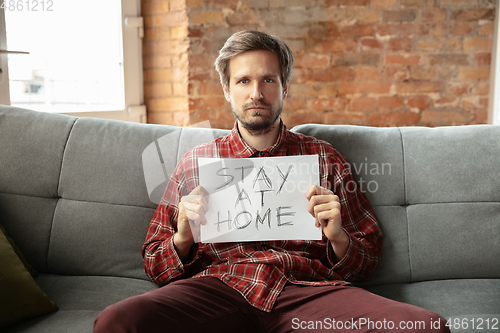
[(255, 199)]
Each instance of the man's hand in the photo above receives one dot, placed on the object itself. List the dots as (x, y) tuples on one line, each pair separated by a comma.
[(192, 210), (324, 205)]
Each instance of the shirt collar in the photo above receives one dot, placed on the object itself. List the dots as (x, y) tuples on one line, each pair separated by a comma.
[(243, 150)]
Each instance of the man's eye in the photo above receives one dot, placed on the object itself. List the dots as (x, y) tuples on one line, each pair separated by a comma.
[(268, 80), (244, 81)]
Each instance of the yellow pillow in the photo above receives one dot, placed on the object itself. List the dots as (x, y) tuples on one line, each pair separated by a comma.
[(21, 297), (30, 269)]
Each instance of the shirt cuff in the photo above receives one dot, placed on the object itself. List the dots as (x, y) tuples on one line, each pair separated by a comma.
[(341, 266), (179, 267)]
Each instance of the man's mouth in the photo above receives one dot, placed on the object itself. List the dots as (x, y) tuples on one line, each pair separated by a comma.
[(257, 107)]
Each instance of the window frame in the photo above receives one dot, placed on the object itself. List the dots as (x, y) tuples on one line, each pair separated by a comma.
[(494, 98), (134, 110)]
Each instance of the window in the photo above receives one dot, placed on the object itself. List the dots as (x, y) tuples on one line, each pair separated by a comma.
[(84, 57), (494, 105)]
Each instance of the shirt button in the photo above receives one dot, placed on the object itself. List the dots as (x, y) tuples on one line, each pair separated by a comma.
[(262, 153)]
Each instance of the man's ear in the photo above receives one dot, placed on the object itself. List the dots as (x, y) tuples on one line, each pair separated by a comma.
[(226, 92), (285, 92)]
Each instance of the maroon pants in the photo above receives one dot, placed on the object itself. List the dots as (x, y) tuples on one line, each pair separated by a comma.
[(208, 305)]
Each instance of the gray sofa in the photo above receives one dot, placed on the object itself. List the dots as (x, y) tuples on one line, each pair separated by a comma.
[(73, 196)]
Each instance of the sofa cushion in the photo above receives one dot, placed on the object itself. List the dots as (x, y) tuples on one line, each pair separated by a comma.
[(103, 160), (394, 265), (375, 156), (454, 240), (31, 161), (80, 300), (28, 220), (376, 159), (92, 238), (438, 200), (101, 219), (459, 298), (21, 297), (451, 189), (451, 164)]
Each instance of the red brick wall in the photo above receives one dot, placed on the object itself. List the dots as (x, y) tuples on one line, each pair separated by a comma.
[(363, 62), (165, 61)]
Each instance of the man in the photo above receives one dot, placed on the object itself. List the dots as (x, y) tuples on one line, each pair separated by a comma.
[(262, 286)]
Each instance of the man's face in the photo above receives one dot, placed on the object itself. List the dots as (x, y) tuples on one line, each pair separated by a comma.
[(255, 89)]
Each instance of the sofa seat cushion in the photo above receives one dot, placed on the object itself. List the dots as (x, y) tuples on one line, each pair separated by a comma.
[(80, 300), (460, 298)]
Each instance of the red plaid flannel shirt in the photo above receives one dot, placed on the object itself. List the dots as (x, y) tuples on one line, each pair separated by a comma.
[(260, 270)]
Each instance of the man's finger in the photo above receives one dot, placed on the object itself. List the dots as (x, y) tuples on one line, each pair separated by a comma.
[(190, 197), (317, 190), (203, 220), (199, 190), (199, 206), (320, 200), (182, 212)]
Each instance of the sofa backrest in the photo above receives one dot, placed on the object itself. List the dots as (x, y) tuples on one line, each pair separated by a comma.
[(435, 192), (72, 190), (74, 197)]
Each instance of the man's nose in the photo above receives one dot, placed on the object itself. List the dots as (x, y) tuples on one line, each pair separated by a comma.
[(256, 91)]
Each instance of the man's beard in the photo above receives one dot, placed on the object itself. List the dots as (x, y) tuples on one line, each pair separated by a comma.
[(266, 122)]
